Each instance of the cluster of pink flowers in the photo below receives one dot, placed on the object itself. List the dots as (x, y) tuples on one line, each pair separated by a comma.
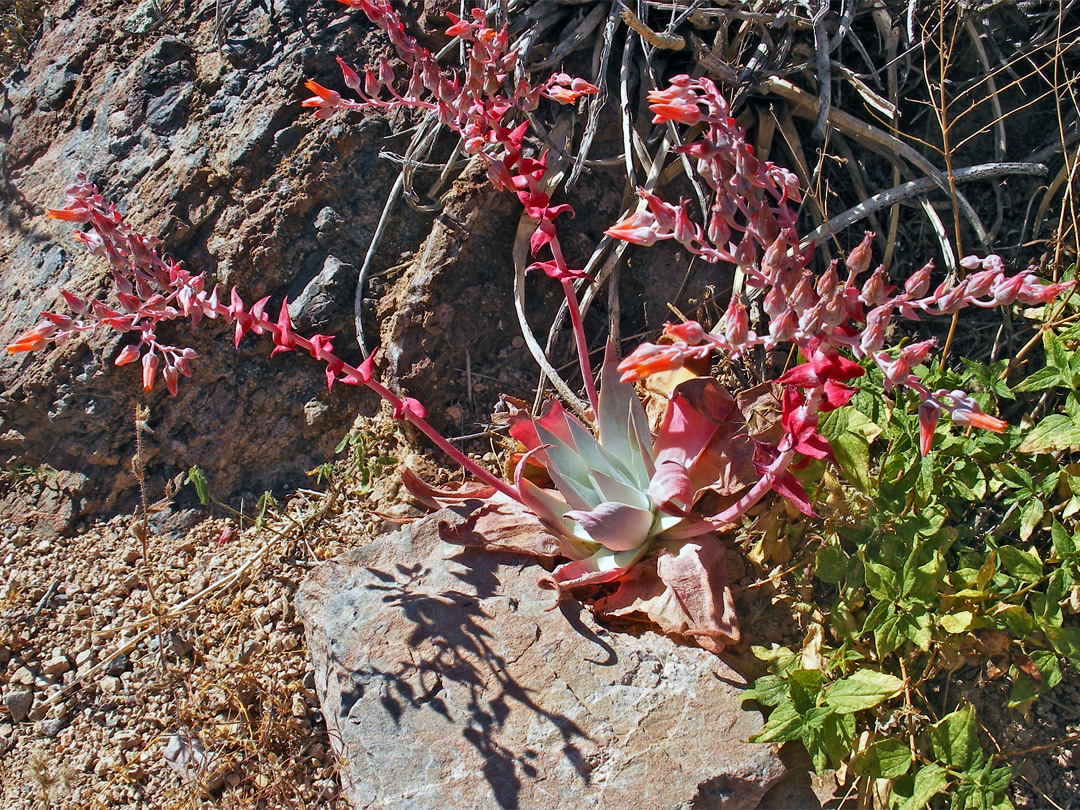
[(818, 314)]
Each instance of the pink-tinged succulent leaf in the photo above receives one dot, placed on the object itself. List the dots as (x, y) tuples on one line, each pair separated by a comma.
[(725, 463), (617, 526), (603, 566), (670, 488), (438, 497), (500, 524), (553, 418), (683, 590), (614, 490), (568, 472), (622, 426)]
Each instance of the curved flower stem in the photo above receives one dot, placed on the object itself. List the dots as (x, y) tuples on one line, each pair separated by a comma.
[(425, 428), (582, 346), (579, 327), (758, 491)]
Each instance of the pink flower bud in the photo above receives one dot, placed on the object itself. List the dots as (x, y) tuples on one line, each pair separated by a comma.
[(873, 337), (802, 297), (746, 252), (690, 332), (774, 303), (686, 232), (919, 283), (913, 354), (171, 377), (827, 283), (782, 328), (386, 73), (737, 326), (129, 354), (858, 261), (371, 84), (75, 304), (873, 290), (352, 78), (929, 412), (979, 284)]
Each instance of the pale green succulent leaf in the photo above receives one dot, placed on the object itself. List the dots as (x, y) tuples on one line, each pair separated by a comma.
[(568, 471), (613, 490)]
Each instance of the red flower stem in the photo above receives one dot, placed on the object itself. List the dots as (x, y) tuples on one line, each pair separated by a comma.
[(579, 329), (352, 375), (443, 444), (758, 491), (582, 346)]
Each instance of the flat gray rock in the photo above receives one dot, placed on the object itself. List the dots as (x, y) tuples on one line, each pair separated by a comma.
[(446, 681)]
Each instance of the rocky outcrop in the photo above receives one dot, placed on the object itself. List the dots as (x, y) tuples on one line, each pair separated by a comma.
[(447, 680)]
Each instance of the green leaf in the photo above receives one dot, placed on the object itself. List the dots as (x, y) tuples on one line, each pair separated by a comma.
[(959, 622), (831, 564), (956, 739), (884, 759), (1025, 688), (1041, 379), (864, 689), (850, 433), (1055, 432), (1030, 517), (784, 724), (882, 581), (1023, 565), (768, 690), (1064, 543), (1066, 640), (1056, 355), (196, 477), (915, 793)]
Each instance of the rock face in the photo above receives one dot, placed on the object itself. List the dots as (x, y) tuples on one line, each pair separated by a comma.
[(447, 681), (206, 146)]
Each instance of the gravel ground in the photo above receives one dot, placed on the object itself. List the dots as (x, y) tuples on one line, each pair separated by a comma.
[(164, 676)]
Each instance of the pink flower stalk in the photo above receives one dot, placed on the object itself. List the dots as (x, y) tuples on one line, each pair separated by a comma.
[(169, 293), (751, 225)]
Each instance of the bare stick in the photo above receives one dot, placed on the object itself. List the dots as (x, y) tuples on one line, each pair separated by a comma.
[(913, 188)]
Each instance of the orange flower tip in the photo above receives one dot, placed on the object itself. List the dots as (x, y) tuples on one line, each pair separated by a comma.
[(991, 423), (65, 214)]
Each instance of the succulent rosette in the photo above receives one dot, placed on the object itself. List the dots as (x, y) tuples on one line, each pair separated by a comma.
[(620, 501)]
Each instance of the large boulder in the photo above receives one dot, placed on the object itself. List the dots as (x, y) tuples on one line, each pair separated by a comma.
[(447, 680)]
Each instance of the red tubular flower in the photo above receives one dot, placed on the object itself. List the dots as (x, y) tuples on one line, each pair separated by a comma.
[(964, 410), (566, 89), (929, 412), (149, 369), (649, 358), (33, 339), (327, 101), (639, 228)]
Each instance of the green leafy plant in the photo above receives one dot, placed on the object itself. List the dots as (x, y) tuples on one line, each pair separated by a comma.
[(364, 460), (966, 556)]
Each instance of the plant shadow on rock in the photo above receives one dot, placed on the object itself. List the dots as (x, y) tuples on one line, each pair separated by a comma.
[(458, 653)]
